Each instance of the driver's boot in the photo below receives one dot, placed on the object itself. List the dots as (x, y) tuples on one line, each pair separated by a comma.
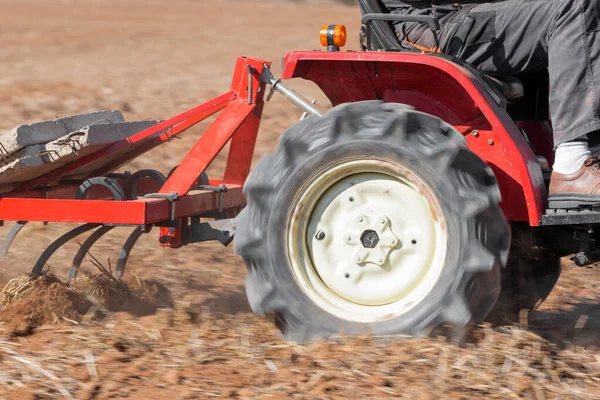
[(579, 189)]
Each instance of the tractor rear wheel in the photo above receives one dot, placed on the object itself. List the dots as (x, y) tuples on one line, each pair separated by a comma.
[(374, 219)]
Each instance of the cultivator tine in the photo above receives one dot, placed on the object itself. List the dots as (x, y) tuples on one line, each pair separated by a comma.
[(14, 231), (83, 250), (124, 255), (39, 264)]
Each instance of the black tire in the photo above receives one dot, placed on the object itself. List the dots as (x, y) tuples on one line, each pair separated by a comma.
[(464, 186), (530, 273), (132, 182), (109, 183)]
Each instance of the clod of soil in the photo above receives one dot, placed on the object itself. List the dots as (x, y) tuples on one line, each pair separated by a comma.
[(134, 295), (30, 301)]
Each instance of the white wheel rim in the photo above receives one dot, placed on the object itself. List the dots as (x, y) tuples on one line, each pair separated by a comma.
[(366, 240)]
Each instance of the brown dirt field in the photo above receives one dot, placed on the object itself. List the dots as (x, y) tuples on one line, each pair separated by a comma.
[(155, 58)]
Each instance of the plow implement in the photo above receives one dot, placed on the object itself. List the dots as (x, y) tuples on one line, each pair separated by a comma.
[(63, 171)]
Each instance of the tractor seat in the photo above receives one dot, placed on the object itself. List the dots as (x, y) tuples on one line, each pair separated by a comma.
[(511, 87), (382, 37)]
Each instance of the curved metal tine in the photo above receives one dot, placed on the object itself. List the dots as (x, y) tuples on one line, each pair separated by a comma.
[(12, 234), (124, 255), (83, 250), (39, 264)]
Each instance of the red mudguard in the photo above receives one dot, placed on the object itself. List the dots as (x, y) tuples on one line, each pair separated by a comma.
[(444, 89)]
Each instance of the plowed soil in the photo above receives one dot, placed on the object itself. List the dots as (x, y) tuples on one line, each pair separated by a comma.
[(153, 59)]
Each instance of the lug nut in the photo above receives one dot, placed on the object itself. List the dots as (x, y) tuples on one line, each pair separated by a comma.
[(380, 261), (358, 259), (348, 238), (320, 235), (382, 221), (393, 241)]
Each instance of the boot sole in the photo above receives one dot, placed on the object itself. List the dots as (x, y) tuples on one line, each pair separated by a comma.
[(572, 200)]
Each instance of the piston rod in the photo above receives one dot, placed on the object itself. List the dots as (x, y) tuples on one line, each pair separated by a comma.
[(290, 94)]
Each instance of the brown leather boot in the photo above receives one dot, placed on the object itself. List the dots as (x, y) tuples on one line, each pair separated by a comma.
[(579, 189)]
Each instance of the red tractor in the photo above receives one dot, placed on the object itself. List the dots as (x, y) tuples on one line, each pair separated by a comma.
[(386, 215), (389, 213)]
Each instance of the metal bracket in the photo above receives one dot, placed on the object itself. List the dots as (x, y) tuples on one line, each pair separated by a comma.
[(251, 70), (222, 230), (172, 197), (217, 189)]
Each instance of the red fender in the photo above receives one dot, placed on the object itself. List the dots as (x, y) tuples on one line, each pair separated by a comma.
[(444, 89)]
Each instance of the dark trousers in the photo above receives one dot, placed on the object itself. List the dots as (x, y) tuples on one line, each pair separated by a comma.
[(517, 36)]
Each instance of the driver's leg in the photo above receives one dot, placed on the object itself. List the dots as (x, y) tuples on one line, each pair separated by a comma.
[(514, 36)]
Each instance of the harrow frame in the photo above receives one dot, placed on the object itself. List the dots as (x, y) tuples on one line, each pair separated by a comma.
[(178, 205)]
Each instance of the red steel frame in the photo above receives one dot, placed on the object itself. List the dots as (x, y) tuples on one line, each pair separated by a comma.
[(238, 122), (430, 84)]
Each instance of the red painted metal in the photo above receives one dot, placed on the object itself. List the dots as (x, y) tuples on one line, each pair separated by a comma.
[(428, 83), (43, 200), (442, 88), (199, 113), (166, 136), (239, 122), (241, 150), (200, 156), (138, 212), (207, 148)]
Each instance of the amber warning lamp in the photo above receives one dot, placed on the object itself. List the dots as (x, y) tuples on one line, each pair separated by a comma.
[(333, 37)]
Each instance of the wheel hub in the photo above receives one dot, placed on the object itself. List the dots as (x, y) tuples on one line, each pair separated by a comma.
[(371, 239), (366, 242)]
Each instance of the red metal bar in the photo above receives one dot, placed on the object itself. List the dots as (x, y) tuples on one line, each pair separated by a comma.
[(242, 146), (68, 191), (239, 122), (207, 147), (243, 141), (95, 211), (204, 110), (196, 203), (166, 136), (239, 118), (139, 212)]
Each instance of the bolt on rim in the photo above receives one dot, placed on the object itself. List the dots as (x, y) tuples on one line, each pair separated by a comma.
[(366, 240)]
